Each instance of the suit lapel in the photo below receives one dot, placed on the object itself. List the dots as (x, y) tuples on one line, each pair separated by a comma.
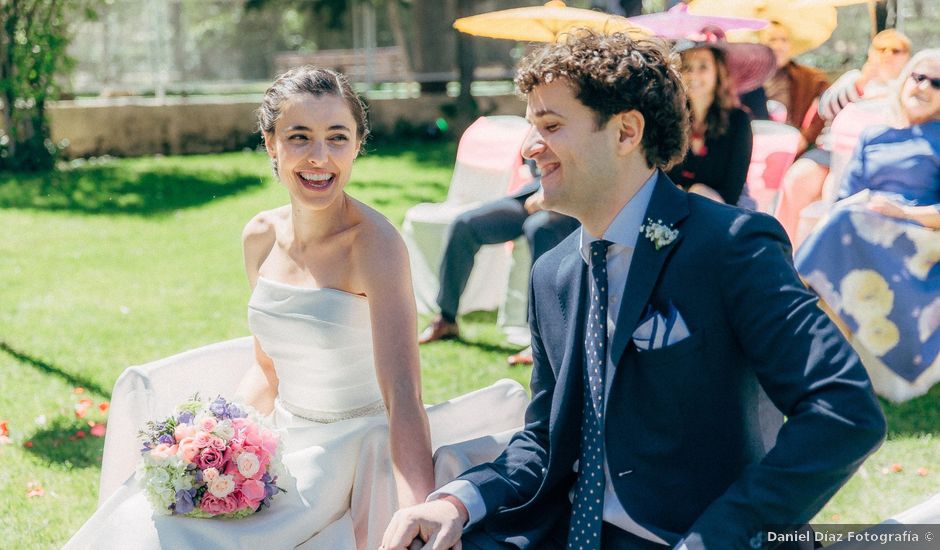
[(668, 206)]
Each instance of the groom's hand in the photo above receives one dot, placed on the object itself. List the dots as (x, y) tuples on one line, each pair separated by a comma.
[(438, 524)]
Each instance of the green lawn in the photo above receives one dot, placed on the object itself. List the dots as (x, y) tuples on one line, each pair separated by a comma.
[(119, 262)]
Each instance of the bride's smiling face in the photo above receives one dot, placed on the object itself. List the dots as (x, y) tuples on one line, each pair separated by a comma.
[(313, 144)]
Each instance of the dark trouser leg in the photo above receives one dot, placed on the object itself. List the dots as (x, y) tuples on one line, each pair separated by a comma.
[(545, 229), (494, 222), (479, 540)]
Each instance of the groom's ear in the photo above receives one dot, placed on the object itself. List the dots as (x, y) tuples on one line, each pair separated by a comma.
[(630, 126)]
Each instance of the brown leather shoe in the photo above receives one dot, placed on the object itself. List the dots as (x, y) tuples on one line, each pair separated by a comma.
[(522, 358), (439, 329)]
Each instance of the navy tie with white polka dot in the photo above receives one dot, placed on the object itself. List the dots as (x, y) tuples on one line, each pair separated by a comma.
[(588, 505)]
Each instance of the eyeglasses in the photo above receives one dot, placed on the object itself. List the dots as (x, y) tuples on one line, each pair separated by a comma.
[(892, 51), (921, 78)]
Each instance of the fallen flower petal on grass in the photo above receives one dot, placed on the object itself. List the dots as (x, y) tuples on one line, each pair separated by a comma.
[(98, 430), (40, 420), (922, 472), (28, 444), (4, 440), (4, 429), (34, 489), (78, 391), (103, 406), (897, 468)]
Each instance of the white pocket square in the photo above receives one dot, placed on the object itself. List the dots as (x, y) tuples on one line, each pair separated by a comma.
[(657, 330)]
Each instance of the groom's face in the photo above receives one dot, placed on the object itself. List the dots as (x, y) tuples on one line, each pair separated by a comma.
[(575, 157)]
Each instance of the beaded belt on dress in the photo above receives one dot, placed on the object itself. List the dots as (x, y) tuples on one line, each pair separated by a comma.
[(327, 417)]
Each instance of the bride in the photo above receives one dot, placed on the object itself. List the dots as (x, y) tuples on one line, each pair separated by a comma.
[(336, 360)]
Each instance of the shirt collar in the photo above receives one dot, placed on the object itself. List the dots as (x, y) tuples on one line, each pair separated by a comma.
[(624, 230)]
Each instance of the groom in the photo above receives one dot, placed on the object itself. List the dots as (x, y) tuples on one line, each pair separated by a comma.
[(653, 329)]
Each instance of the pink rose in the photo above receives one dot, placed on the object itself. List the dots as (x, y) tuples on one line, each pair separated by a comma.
[(233, 449), (253, 490), (221, 486), (163, 451), (207, 423), (248, 464), (232, 502), (217, 443), (209, 458), (213, 505), (252, 435), (269, 441), (202, 439), (263, 457), (246, 503), (188, 449), (183, 431)]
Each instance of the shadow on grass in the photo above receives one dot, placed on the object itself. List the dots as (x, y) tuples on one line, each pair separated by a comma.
[(72, 379), (117, 188), (67, 441), (917, 416)]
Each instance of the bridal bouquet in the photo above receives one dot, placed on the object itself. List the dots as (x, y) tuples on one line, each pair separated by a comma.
[(209, 460)]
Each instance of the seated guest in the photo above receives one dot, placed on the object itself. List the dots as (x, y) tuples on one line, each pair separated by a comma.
[(794, 86), (874, 260), (495, 222), (715, 72), (803, 182)]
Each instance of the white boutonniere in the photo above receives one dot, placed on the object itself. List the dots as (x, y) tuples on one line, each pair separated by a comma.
[(659, 233)]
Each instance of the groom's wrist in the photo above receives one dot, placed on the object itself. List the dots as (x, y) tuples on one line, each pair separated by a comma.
[(463, 514)]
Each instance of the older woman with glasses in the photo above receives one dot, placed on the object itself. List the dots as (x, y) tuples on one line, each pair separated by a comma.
[(875, 259)]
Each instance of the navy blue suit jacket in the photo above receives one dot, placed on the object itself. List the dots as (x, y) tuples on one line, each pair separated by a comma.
[(682, 436)]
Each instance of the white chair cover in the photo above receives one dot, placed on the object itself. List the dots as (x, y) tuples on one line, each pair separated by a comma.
[(487, 168), (152, 391), (773, 152)]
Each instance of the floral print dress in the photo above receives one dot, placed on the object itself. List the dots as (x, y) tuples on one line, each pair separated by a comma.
[(880, 274)]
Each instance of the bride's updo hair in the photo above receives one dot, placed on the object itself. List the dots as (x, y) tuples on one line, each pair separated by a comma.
[(316, 81)]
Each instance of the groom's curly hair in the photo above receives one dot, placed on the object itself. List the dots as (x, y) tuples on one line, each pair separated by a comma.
[(614, 73)]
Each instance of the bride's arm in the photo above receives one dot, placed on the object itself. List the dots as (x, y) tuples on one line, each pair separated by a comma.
[(382, 266), (258, 387)]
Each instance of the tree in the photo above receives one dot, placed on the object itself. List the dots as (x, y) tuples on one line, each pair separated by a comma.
[(33, 40)]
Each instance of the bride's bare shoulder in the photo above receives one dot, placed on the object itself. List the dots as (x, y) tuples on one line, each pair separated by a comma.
[(377, 241), (260, 234)]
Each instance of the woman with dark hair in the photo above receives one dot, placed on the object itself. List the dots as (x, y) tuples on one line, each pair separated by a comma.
[(336, 362), (715, 72)]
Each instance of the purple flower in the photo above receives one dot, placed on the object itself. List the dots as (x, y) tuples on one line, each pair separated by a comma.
[(270, 489), (185, 417), (184, 502), (167, 439), (234, 411), (218, 408)]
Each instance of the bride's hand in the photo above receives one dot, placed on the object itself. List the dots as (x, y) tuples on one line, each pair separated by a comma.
[(438, 524)]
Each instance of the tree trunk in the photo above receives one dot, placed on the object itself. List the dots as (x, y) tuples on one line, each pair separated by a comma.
[(434, 41), (466, 65), (398, 33)]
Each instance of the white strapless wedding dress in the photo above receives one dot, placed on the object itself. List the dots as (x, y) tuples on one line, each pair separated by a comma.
[(340, 489)]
